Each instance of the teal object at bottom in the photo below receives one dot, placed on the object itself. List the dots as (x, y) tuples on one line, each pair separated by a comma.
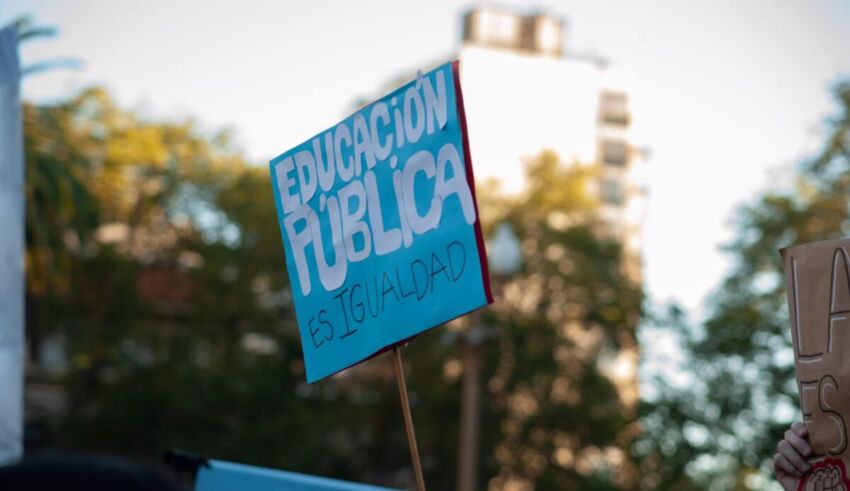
[(227, 476)]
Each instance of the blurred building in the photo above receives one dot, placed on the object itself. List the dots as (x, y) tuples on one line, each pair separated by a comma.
[(525, 92)]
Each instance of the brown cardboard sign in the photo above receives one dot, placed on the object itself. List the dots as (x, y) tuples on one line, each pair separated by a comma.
[(817, 282)]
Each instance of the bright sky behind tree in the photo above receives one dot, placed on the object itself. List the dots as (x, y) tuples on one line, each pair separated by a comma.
[(729, 94)]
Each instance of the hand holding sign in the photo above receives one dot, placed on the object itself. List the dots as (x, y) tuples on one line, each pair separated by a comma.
[(818, 287)]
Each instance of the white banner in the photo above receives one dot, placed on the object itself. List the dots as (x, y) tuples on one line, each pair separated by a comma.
[(11, 251)]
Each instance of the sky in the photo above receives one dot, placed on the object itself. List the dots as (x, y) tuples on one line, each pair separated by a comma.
[(727, 95)]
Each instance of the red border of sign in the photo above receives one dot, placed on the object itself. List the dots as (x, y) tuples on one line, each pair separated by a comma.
[(470, 178), (825, 463)]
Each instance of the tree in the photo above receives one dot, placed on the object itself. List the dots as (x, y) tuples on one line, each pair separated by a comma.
[(61, 211), (26, 31), (181, 331), (744, 396), (565, 418)]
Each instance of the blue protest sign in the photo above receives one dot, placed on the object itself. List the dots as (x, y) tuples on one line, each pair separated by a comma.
[(380, 224), (218, 475)]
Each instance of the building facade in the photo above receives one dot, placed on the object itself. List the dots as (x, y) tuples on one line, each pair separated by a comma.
[(525, 93)]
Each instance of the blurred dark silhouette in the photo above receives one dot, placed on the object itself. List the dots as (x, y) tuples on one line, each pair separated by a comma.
[(83, 473)]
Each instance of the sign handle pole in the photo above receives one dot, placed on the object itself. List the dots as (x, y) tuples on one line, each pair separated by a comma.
[(408, 419)]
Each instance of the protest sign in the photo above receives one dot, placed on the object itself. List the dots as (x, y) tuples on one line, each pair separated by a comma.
[(380, 224), (817, 282), (219, 475)]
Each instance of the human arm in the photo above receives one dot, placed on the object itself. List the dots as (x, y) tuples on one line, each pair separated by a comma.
[(789, 463)]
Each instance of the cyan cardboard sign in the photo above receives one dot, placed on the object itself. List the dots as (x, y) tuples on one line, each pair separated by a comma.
[(380, 224), (218, 475)]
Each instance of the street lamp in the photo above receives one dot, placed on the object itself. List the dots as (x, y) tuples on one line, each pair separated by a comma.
[(505, 256), (505, 259)]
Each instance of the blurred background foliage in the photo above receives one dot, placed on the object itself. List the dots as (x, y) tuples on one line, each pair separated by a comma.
[(159, 310), (722, 427), (159, 316)]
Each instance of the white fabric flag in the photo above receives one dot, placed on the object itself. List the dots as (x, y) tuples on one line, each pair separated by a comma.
[(11, 251)]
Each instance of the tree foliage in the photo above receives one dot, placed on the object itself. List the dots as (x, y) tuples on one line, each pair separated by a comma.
[(563, 389), (155, 262), (744, 397)]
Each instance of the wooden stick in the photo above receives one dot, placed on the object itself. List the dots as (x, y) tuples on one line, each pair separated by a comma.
[(408, 419)]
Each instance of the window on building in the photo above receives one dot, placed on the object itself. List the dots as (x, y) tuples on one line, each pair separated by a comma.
[(614, 152), (492, 28), (613, 108), (612, 191), (547, 34)]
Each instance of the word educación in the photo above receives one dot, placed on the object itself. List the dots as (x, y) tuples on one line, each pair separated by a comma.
[(341, 166)]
